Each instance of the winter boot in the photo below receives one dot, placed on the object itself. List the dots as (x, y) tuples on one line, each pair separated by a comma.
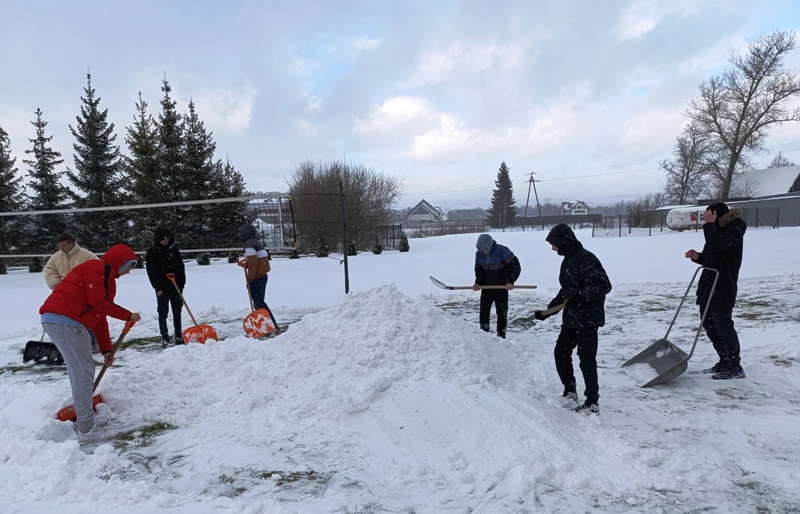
[(588, 408), (716, 368), (731, 371), (179, 340), (165, 340)]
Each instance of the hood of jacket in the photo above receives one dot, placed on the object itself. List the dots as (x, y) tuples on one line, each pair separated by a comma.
[(119, 256), (247, 231), (733, 217), (563, 238), (161, 233)]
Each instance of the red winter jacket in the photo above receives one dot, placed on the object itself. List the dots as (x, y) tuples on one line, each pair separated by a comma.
[(87, 294)]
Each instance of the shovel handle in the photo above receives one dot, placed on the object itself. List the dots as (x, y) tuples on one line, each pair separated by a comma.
[(171, 277), (128, 325), (249, 294)]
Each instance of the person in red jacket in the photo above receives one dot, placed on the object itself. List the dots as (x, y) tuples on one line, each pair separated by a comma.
[(80, 303)]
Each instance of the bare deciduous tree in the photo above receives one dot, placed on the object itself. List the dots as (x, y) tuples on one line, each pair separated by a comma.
[(736, 108), (685, 172), (780, 161), (369, 197)]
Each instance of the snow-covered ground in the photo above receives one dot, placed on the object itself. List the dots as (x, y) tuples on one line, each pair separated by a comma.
[(390, 399)]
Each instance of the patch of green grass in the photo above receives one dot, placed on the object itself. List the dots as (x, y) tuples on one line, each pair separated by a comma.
[(288, 477), (142, 436), (780, 361), (755, 303)]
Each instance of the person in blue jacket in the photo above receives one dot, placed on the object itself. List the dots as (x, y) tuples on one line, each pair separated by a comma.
[(495, 265)]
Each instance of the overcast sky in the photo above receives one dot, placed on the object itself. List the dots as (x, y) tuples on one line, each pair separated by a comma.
[(589, 95)]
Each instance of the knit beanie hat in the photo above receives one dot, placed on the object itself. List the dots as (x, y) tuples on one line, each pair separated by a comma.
[(719, 208)]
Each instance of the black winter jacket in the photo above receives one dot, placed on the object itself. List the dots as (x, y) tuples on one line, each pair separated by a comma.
[(499, 268), (722, 251), (583, 281), (160, 260)]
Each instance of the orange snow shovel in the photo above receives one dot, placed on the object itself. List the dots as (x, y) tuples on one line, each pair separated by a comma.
[(259, 322), (68, 412), (198, 333)]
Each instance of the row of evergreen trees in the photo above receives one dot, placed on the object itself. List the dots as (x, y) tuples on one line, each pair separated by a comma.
[(170, 159)]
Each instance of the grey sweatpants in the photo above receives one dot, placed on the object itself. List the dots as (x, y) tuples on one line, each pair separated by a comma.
[(75, 345)]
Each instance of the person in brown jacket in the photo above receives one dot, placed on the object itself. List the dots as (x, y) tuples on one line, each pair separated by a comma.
[(256, 262)]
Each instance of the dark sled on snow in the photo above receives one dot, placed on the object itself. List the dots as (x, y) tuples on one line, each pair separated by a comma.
[(668, 360)]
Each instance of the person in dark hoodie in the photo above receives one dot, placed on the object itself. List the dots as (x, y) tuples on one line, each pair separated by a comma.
[(723, 230), (584, 286), (81, 302), (495, 265), (256, 263), (162, 258)]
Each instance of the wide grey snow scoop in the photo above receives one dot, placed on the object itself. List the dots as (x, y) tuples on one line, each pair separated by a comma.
[(668, 360)]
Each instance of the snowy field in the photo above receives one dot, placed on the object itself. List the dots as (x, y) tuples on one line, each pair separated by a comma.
[(390, 399)]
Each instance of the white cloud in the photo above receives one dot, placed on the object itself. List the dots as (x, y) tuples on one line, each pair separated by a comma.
[(227, 107)]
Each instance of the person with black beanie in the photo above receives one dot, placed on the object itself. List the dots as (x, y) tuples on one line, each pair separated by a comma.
[(723, 230), (164, 257)]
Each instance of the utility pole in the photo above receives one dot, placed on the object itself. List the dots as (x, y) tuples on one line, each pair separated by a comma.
[(532, 182)]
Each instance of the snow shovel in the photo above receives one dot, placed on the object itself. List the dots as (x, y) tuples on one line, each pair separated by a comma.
[(42, 352), (529, 319), (68, 412), (442, 285), (668, 360), (197, 333), (259, 322)]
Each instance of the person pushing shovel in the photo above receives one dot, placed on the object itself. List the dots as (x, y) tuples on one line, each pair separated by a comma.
[(495, 265), (79, 303), (584, 286), (723, 231), (256, 263)]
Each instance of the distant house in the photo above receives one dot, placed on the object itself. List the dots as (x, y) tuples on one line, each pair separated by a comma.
[(424, 211), (767, 183), (570, 208)]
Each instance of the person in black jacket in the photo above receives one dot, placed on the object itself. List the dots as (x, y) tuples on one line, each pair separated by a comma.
[(495, 265), (584, 286), (164, 257), (723, 230)]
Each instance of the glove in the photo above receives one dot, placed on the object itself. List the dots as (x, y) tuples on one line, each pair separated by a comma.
[(541, 317)]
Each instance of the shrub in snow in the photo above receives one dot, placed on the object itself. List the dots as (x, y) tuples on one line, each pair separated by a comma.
[(404, 247), (233, 257), (351, 248), (203, 259), (322, 249), (377, 248), (3, 270), (35, 266)]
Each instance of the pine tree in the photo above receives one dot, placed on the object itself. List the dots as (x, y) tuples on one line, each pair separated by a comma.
[(172, 157), (502, 213), (198, 175), (12, 195), (226, 218), (145, 173), (48, 192), (98, 176)]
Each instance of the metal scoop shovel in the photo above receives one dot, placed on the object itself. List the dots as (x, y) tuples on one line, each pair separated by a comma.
[(668, 360)]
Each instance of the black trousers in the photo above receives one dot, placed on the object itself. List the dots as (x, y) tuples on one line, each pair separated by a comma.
[(165, 301), (585, 339), (498, 297), (719, 329)]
